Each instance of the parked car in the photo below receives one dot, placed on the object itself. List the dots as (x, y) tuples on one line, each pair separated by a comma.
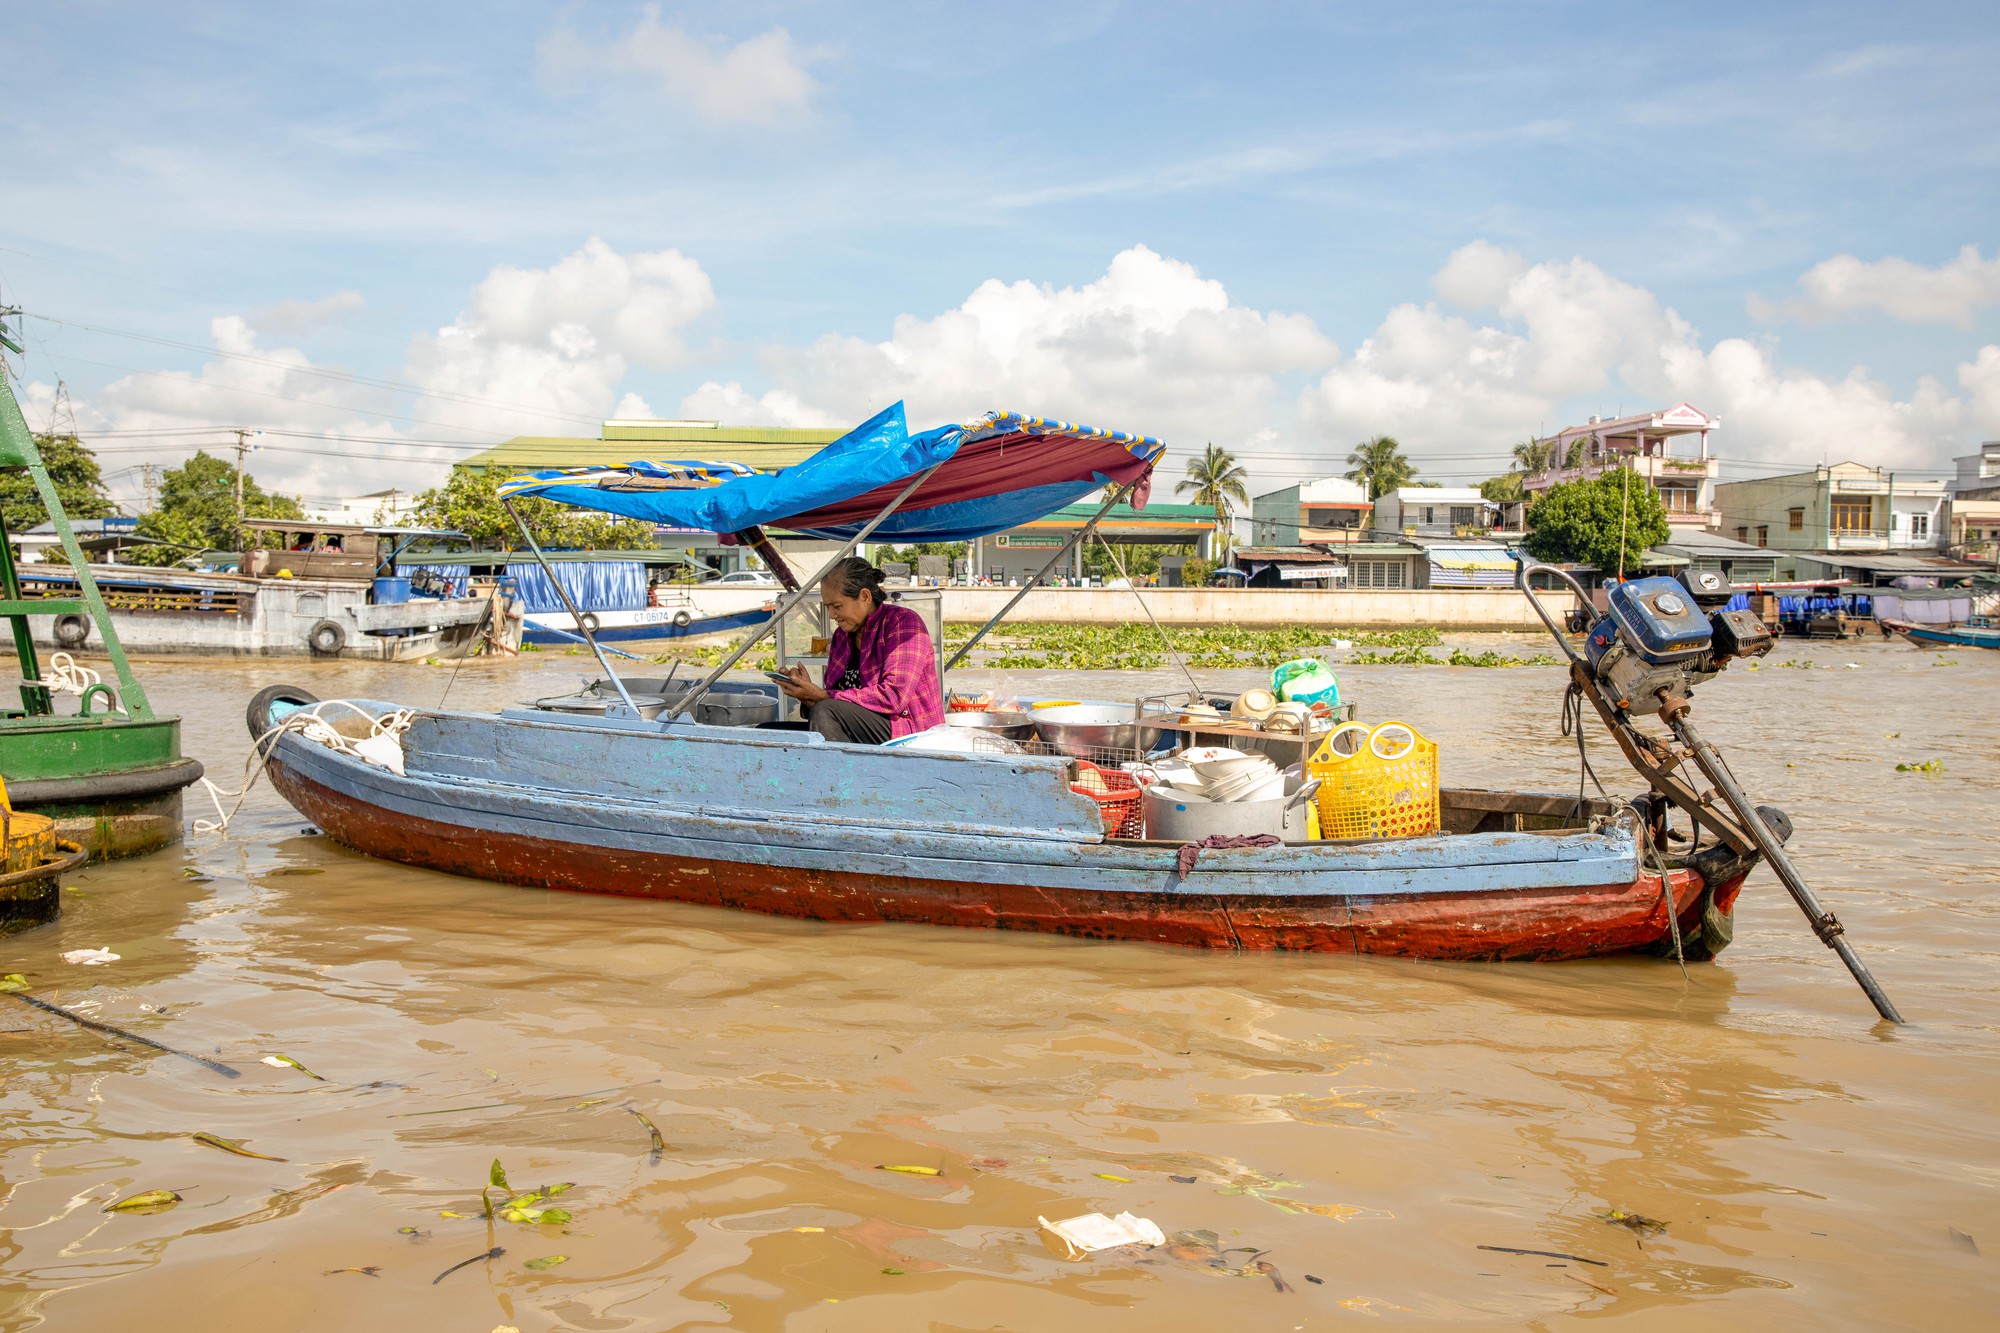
[(759, 578)]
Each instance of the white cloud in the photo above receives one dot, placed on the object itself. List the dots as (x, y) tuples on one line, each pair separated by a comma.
[(1950, 293), (1151, 345), (292, 316), (559, 340), (535, 351), (761, 81), (1562, 334)]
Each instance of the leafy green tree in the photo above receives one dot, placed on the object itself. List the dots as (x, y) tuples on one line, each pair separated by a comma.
[(79, 485), (1505, 488), (1380, 466), (1196, 572), (469, 502), (1608, 522), (198, 510), (1216, 480)]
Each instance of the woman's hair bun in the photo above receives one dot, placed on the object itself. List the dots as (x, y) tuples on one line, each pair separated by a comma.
[(853, 574)]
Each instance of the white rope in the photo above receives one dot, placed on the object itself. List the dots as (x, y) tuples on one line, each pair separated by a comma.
[(311, 726), (69, 676)]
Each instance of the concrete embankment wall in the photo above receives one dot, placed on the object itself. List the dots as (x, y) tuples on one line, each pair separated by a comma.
[(1460, 609)]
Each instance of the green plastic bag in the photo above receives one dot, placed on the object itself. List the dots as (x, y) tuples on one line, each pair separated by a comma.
[(1306, 680)]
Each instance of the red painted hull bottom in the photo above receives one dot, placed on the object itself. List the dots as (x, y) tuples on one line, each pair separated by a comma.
[(1546, 924)]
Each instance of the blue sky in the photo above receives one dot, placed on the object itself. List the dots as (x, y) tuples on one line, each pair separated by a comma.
[(1281, 227)]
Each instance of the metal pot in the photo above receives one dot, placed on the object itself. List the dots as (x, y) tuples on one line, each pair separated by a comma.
[(1185, 817), (597, 705), (1000, 722), (1081, 730)]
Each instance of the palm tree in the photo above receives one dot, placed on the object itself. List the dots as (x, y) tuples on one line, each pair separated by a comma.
[(1380, 466), (1532, 456), (1215, 480)]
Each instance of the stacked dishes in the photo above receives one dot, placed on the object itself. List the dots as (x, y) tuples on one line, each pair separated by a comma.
[(1216, 773)]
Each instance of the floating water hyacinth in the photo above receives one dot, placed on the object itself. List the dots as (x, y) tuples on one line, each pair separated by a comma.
[(286, 1062)]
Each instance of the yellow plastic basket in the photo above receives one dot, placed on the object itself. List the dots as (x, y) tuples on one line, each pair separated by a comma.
[(1380, 783)]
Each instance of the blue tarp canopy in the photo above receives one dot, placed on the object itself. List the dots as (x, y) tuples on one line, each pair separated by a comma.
[(996, 473)]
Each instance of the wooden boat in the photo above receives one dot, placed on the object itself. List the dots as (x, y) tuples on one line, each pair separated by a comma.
[(634, 803), (1980, 632), (306, 590), (778, 822)]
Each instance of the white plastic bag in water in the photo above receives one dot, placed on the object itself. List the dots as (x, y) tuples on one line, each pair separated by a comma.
[(1076, 1237)]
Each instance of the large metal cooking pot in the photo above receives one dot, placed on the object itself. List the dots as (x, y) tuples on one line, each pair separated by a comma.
[(1080, 730), (995, 722), (1186, 817)]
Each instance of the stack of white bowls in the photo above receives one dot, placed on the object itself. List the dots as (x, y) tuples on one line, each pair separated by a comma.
[(1216, 773)]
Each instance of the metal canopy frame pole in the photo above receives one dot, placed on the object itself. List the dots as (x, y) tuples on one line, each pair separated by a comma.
[(1076, 540), (759, 541), (796, 595), (568, 603)]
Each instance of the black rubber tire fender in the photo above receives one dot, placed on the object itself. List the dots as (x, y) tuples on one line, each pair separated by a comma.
[(71, 630), (258, 715), (587, 622), (682, 620), (326, 638)]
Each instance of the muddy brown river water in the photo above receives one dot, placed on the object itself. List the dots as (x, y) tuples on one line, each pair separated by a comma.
[(1385, 1135)]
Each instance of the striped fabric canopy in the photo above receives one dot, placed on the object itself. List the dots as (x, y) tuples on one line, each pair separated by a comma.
[(995, 473)]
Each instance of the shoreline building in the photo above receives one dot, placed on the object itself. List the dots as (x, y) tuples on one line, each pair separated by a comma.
[(1332, 510), (1833, 508), (1972, 522), (1654, 446), (1434, 511)]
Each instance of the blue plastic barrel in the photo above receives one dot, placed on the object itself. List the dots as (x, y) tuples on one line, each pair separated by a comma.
[(391, 592)]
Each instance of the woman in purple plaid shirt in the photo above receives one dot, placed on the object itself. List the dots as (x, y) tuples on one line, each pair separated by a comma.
[(881, 668)]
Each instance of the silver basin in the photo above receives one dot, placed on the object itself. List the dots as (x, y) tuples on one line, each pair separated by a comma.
[(1079, 730), (1013, 726)]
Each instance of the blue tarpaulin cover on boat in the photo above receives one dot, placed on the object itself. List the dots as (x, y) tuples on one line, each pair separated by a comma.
[(996, 473), (595, 585)]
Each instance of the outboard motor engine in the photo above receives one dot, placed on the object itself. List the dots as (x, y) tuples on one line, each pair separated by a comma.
[(1663, 636)]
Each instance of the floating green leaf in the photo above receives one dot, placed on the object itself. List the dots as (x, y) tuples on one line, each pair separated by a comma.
[(147, 1201), (913, 1170), (546, 1262), (555, 1217), (893, 1272), (653, 1133), (497, 1177), (286, 1062), (13, 981), (1106, 1175), (231, 1145)]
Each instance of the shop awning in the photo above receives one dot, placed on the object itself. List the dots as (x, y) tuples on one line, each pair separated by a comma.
[(1470, 566)]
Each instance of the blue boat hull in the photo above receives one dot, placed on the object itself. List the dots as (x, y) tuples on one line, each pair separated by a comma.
[(775, 824), (1946, 636)]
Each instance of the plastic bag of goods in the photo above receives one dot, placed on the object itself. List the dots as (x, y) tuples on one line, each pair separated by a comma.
[(1306, 680)]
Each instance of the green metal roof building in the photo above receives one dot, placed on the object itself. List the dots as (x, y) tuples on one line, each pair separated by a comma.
[(761, 447)]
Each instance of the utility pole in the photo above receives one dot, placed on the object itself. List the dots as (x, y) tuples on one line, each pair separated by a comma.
[(149, 476), (242, 448)]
